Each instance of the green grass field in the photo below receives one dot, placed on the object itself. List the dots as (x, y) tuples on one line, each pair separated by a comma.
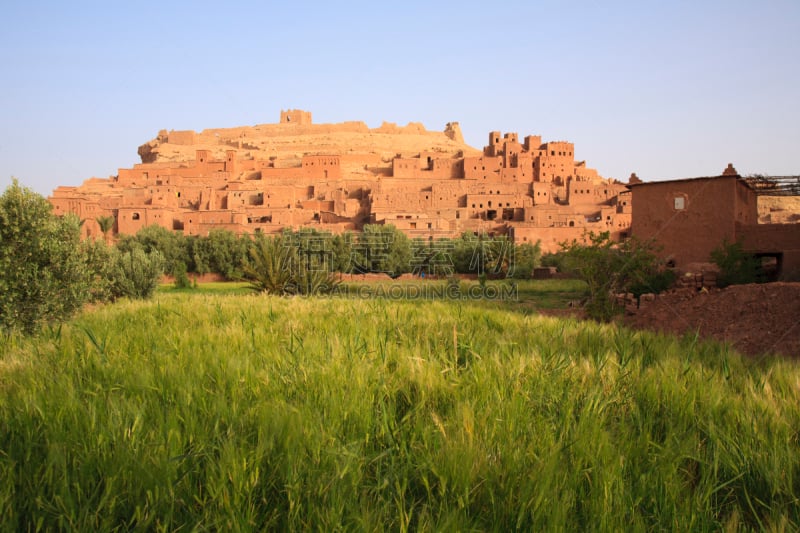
[(206, 411)]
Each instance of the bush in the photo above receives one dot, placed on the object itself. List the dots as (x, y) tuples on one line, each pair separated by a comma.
[(382, 248), (736, 267), (527, 256), (137, 273), (43, 271), (221, 252), (609, 268), (174, 247), (101, 263), (495, 257), (182, 281)]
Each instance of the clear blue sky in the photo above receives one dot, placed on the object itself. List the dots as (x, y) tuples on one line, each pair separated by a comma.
[(665, 89)]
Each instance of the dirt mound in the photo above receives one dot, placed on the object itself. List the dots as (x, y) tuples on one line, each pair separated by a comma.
[(755, 319)]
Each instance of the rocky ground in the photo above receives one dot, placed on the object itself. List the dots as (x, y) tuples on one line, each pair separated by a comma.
[(755, 319)]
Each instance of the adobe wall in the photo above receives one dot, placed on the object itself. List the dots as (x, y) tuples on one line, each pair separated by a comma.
[(774, 239), (484, 168), (295, 116), (549, 238), (132, 219), (182, 137), (322, 166), (689, 218)]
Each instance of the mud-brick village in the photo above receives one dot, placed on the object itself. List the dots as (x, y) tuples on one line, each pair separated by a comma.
[(429, 184)]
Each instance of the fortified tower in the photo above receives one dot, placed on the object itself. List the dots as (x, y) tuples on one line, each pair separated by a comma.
[(295, 116)]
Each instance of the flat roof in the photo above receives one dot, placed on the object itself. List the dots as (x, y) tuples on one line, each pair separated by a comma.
[(684, 180)]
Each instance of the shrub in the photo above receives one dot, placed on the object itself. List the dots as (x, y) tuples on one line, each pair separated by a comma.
[(736, 267), (101, 263), (43, 272), (182, 281), (527, 256), (222, 252), (174, 247), (137, 273), (382, 248), (609, 268)]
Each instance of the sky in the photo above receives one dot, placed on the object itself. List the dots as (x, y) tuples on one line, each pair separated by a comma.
[(666, 89)]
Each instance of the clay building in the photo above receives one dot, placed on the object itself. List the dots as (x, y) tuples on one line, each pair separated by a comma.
[(338, 177), (688, 218)]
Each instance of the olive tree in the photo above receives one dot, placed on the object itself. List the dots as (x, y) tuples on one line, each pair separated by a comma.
[(43, 271)]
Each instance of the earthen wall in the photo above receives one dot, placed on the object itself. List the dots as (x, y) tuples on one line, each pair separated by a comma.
[(687, 218)]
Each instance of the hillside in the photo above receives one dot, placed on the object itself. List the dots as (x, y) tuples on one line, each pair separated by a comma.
[(289, 142)]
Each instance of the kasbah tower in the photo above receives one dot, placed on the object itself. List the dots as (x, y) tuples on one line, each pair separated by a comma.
[(339, 177)]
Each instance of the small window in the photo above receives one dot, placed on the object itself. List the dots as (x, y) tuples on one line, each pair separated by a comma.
[(680, 203)]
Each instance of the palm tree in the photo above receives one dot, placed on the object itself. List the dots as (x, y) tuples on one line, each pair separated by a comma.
[(269, 267), (276, 267), (106, 223)]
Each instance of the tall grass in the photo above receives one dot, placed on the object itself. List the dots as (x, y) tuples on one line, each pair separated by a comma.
[(249, 412)]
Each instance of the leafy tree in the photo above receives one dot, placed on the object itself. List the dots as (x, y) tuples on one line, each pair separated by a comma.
[(465, 258), (199, 251), (43, 272), (527, 256), (226, 253), (314, 248), (609, 268), (736, 266), (342, 252), (101, 263), (137, 273), (432, 257), (552, 259), (182, 280), (173, 246), (382, 248), (498, 254), (494, 256)]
